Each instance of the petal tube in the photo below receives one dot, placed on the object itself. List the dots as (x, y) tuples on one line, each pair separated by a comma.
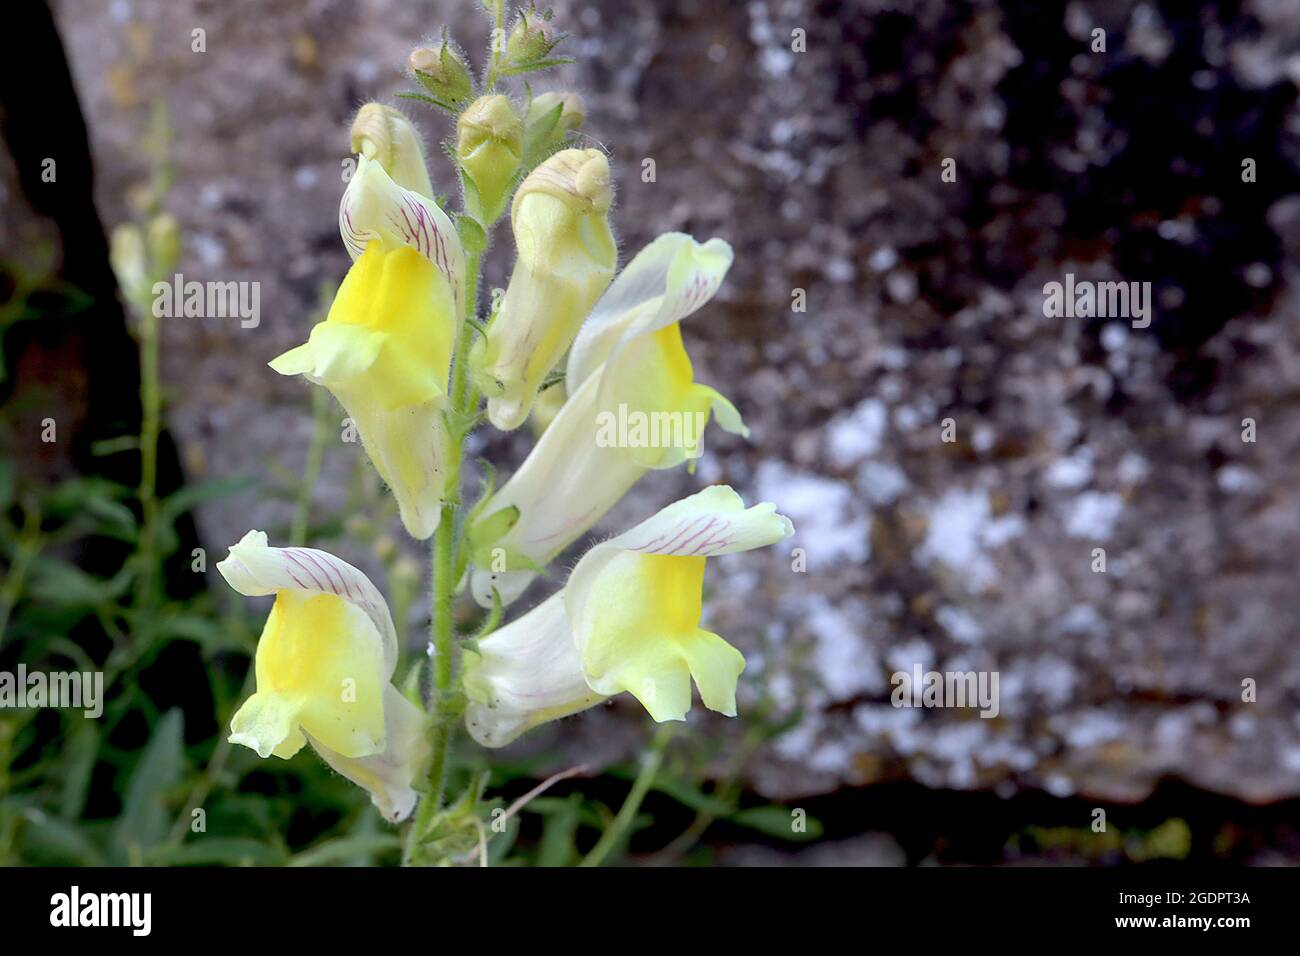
[(388, 776), (409, 447), (525, 674), (564, 486)]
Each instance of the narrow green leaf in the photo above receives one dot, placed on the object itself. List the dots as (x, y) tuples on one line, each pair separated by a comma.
[(146, 817)]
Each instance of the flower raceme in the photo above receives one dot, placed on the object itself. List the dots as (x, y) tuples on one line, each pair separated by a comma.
[(565, 258), (627, 363), (385, 348), (627, 620), (324, 667)]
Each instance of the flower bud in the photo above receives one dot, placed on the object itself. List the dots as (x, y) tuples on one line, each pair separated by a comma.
[(566, 257), (530, 40), (127, 255), (164, 242), (490, 145), (551, 118), (443, 72), (385, 135)]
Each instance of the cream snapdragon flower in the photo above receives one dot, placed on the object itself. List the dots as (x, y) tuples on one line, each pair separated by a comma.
[(627, 620), (385, 348), (324, 667)]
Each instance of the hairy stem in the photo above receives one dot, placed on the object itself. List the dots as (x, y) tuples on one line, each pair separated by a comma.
[(443, 717)]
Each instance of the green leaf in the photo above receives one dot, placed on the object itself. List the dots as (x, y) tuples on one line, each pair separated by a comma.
[(8, 483), (188, 497), (536, 66), (211, 634), (219, 851), (79, 754), (500, 844), (75, 492), (146, 817), (690, 796), (779, 822), (55, 581), (50, 841), (472, 235), (334, 851), (557, 847), (431, 100)]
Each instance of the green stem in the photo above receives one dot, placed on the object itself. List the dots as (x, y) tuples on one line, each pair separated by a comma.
[(151, 408), (311, 471), (444, 714), (25, 550), (498, 30), (617, 831)]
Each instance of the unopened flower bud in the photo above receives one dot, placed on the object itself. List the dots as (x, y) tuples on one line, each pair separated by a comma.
[(443, 72), (566, 257), (164, 242), (490, 145), (551, 118), (385, 135), (530, 40), (127, 255)]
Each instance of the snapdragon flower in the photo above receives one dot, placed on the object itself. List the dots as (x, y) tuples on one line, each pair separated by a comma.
[(627, 620), (324, 667), (385, 348)]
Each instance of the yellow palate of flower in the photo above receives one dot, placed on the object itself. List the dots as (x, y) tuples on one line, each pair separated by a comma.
[(319, 671), (396, 310), (646, 637), (655, 375)]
